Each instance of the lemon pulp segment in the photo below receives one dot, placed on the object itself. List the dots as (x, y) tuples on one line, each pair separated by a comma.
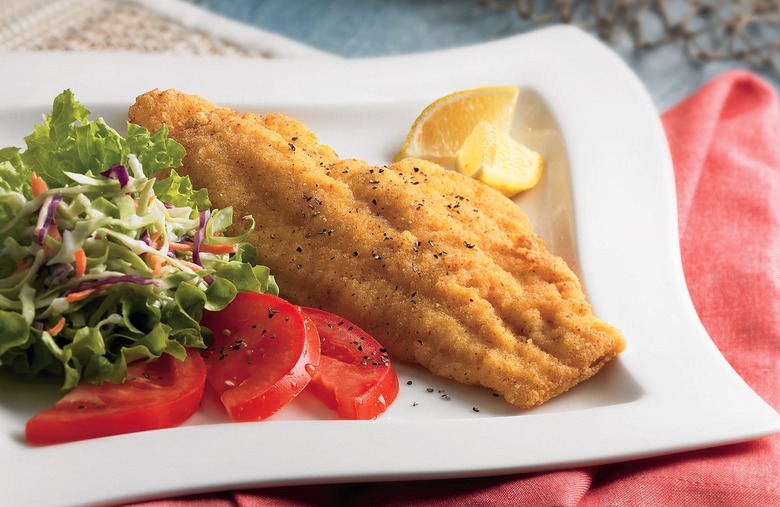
[(498, 160), (441, 128)]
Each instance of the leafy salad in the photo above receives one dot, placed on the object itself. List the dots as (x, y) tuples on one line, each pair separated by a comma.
[(107, 255)]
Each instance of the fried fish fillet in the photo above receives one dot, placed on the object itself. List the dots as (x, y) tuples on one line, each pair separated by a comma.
[(441, 269)]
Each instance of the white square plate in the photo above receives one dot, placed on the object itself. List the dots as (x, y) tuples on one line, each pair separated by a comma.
[(606, 204)]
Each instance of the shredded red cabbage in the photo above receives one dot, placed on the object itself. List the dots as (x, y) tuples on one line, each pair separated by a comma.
[(55, 201), (119, 173), (58, 273), (146, 237), (200, 236)]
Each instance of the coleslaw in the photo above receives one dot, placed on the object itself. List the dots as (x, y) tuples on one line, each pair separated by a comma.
[(107, 255)]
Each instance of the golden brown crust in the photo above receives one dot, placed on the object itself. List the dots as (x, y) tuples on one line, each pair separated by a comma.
[(441, 269)]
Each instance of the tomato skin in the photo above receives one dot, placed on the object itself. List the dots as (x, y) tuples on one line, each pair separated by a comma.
[(158, 394), (355, 376), (261, 355)]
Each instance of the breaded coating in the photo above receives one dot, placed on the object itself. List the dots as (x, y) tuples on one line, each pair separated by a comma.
[(441, 269)]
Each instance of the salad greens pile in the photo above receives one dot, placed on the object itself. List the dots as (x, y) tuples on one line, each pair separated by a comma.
[(102, 263)]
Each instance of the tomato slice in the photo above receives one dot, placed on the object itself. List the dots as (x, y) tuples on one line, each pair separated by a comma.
[(158, 394), (261, 356), (355, 377)]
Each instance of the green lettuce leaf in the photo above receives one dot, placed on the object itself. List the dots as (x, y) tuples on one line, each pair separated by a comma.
[(177, 191)]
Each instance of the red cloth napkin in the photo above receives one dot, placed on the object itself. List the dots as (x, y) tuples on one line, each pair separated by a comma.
[(725, 143)]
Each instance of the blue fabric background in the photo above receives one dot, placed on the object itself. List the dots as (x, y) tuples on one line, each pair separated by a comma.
[(366, 28)]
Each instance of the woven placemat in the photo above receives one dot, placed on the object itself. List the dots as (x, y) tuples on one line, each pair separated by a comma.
[(148, 26)]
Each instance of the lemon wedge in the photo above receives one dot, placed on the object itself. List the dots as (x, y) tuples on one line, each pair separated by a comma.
[(491, 155), (441, 128)]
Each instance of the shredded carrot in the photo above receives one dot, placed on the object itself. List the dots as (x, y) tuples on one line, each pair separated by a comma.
[(56, 328), (21, 265), (48, 251), (81, 262), (219, 249), (215, 249), (54, 232), (180, 247), (155, 262), (191, 265), (154, 238), (38, 185), (78, 296)]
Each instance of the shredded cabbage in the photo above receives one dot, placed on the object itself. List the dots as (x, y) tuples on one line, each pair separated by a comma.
[(101, 263)]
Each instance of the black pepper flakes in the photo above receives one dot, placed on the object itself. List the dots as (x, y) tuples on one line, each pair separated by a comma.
[(237, 345)]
